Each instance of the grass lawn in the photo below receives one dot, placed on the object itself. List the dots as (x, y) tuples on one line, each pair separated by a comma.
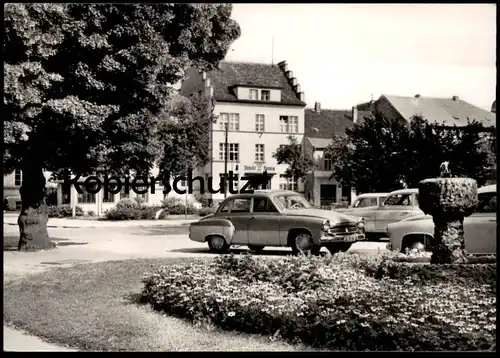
[(93, 307)]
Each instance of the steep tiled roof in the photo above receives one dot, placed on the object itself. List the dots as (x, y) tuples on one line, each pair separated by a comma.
[(445, 111), (327, 122), (231, 74)]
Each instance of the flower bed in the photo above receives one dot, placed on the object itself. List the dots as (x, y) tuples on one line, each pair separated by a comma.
[(331, 302)]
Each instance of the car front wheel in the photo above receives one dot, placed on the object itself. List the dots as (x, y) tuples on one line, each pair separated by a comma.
[(256, 248), (217, 244), (303, 243), (338, 247)]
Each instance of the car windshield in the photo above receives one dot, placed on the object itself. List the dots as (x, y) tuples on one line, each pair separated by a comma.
[(291, 202)]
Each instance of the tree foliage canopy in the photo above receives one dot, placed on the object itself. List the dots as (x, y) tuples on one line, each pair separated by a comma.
[(85, 84), (381, 155), (299, 163)]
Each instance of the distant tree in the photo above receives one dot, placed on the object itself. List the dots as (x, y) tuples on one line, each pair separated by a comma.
[(367, 158), (184, 134), (84, 86), (381, 155), (299, 163)]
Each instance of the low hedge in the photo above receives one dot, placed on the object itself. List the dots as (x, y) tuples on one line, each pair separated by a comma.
[(327, 302), (63, 211), (139, 212)]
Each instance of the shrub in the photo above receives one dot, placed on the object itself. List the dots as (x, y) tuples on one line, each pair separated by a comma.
[(132, 213), (460, 274), (63, 211), (327, 302), (177, 206), (90, 213), (206, 211), (127, 203)]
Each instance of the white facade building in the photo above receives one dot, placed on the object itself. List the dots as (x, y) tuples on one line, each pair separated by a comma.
[(262, 105)]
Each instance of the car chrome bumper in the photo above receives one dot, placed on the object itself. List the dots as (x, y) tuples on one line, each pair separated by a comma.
[(342, 238)]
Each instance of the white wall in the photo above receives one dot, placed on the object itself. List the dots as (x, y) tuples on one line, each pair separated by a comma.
[(246, 137)]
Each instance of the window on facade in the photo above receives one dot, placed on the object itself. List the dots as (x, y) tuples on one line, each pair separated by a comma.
[(259, 123), (86, 197), (289, 124), (234, 152), (265, 95), (108, 197), (288, 183), (259, 152), (254, 94), (18, 177), (231, 119), (236, 181), (327, 164)]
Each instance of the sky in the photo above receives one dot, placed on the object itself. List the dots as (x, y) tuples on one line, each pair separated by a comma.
[(343, 54)]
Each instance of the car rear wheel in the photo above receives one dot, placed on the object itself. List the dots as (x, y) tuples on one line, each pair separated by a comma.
[(256, 248), (338, 247), (217, 244), (303, 243)]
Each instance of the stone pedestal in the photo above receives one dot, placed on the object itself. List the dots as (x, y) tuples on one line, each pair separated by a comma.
[(449, 201)]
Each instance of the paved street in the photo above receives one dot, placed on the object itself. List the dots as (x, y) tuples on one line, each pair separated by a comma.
[(80, 245)]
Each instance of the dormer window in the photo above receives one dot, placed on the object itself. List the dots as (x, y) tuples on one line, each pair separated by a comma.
[(254, 95), (265, 95)]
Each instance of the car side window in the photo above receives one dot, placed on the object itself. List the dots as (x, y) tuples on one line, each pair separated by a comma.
[(398, 199), (225, 207), (361, 203), (240, 205), (263, 205), (373, 202), (487, 203)]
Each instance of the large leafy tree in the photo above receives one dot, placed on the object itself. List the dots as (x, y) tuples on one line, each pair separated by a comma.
[(299, 163), (184, 134), (84, 85), (367, 157), (378, 154)]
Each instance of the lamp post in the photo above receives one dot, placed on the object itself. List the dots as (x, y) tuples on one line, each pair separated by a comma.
[(226, 158)]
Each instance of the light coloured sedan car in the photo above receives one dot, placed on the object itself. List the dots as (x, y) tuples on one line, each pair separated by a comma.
[(399, 205), (480, 228), (364, 201), (276, 218)]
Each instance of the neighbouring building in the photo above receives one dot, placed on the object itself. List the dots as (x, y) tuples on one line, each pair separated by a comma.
[(444, 111), (260, 105), (321, 125), (11, 184), (447, 112)]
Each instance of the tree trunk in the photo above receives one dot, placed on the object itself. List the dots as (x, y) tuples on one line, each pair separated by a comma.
[(33, 218)]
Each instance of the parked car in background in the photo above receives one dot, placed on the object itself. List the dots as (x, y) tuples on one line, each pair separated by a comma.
[(480, 228), (276, 218), (367, 200), (398, 205)]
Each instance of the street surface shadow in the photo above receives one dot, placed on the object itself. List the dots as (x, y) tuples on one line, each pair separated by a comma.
[(236, 251), (71, 243), (162, 230), (10, 242)]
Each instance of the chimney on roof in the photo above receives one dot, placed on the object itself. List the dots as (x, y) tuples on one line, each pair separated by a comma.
[(297, 88), (293, 81), (355, 114), (317, 107), (455, 98), (283, 65), (417, 96), (302, 96), (289, 74)]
